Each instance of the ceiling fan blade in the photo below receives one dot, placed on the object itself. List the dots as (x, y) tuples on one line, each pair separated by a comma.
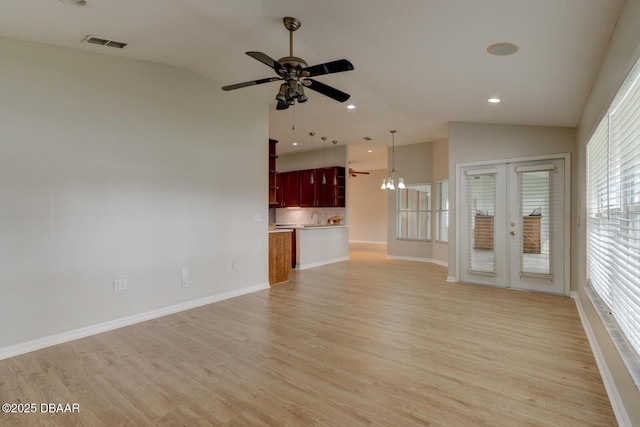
[(266, 59), (251, 83), (282, 105), (329, 67), (329, 91)]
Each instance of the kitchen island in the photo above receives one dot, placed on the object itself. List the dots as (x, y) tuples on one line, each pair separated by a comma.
[(318, 245)]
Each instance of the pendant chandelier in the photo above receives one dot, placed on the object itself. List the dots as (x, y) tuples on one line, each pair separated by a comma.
[(394, 176), (311, 180)]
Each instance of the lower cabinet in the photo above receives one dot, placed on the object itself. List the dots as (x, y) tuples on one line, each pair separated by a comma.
[(279, 256)]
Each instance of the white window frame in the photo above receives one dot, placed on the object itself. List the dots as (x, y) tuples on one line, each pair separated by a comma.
[(415, 234), (442, 214)]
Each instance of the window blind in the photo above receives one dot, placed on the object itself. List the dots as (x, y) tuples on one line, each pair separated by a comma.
[(414, 213), (613, 162), (598, 238), (535, 204), (481, 193)]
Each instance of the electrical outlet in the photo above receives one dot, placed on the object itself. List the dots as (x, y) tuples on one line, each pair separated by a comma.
[(234, 265), (227, 266), (119, 285), (257, 218), (185, 277)]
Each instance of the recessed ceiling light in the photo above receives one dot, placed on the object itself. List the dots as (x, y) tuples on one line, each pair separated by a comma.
[(493, 100), (351, 107), (503, 49), (74, 2), (369, 151), (294, 143)]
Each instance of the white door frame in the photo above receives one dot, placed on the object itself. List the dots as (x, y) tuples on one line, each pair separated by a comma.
[(567, 209)]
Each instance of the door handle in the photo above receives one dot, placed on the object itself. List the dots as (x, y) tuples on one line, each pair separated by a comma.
[(513, 233)]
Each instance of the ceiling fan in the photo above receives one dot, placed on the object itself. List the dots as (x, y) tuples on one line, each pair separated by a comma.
[(354, 173), (296, 74)]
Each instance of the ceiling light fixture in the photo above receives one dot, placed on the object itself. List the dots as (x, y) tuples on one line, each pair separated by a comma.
[(311, 134), (324, 177), (503, 49), (369, 151), (294, 143), (494, 100), (388, 183), (351, 107), (335, 175)]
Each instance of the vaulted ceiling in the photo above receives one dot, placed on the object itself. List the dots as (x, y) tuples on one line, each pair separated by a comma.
[(418, 63)]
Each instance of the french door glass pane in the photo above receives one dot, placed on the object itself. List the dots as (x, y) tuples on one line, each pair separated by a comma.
[(535, 208), (482, 208)]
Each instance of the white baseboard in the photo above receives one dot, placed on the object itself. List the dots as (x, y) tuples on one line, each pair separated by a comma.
[(371, 242), (318, 264), (612, 391), (451, 279), (418, 259), (26, 347)]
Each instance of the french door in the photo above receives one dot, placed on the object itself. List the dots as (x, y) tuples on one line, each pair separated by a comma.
[(512, 225)]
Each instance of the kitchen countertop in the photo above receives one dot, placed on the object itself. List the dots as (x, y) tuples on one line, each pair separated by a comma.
[(282, 230), (309, 226)]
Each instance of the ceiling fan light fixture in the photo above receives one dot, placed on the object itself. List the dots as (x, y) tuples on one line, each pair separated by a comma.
[(301, 97), (282, 94), (293, 88)]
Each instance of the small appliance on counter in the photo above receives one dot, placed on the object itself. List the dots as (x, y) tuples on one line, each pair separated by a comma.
[(334, 220)]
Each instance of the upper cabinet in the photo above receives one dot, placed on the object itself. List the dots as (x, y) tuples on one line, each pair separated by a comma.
[(288, 192), (322, 188), (310, 188), (273, 186), (330, 187), (291, 191)]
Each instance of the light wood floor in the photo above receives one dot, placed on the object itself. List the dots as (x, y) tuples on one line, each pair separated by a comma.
[(370, 341)]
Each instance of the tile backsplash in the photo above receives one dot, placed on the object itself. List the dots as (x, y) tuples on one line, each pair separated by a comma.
[(302, 216)]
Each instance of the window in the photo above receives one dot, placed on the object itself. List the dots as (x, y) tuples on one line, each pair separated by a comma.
[(442, 212), (414, 212), (613, 207)]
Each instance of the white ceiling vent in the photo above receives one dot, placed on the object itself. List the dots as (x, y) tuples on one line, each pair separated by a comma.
[(104, 42)]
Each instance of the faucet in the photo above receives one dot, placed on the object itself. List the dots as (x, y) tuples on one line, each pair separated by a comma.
[(317, 217)]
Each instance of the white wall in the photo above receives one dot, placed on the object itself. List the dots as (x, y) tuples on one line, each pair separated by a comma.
[(476, 142), (367, 208), (440, 173), (112, 168), (622, 53), (293, 161)]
